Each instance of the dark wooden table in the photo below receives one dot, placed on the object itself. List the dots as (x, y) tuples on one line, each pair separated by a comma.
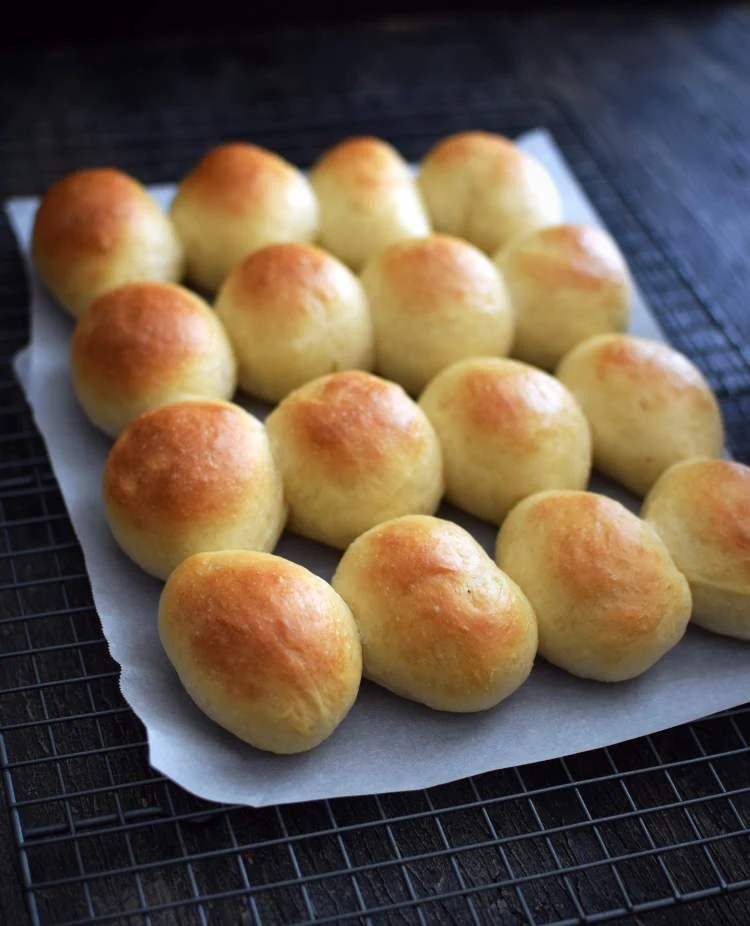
[(666, 97)]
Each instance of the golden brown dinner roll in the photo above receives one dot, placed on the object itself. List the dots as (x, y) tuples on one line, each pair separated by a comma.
[(484, 188), (648, 406), (609, 600), (237, 199), (191, 477), (439, 622), (96, 229), (265, 648), (434, 300), (566, 283), (353, 450), (506, 430), (701, 510), (293, 313), (368, 200), (143, 345)]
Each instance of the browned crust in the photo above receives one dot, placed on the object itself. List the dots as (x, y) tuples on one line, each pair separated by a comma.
[(570, 256), (236, 177), (365, 163), (85, 214), (426, 272), (134, 337), (284, 280), (599, 552), (436, 574), (506, 399), (353, 420), (715, 498), (644, 361), (183, 462), (259, 627), (502, 157)]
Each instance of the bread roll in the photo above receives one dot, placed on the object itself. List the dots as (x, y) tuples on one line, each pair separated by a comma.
[(96, 229), (293, 313), (353, 450), (506, 430), (609, 600), (238, 199), (484, 188), (368, 200), (265, 648), (440, 623), (145, 344), (566, 283), (701, 510), (648, 407), (192, 477), (434, 301)]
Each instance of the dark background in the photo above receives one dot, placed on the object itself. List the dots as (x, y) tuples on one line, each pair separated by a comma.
[(665, 93), (81, 22)]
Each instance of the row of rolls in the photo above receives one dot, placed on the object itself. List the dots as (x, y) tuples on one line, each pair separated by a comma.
[(432, 282)]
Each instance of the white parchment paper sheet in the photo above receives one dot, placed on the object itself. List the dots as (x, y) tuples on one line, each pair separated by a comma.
[(385, 744)]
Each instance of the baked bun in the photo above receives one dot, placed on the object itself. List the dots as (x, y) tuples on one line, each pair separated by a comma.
[(145, 344), (506, 430), (368, 200), (701, 510), (434, 301), (609, 600), (647, 404), (265, 648), (96, 229), (566, 283), (353, 450), (293, 313), (238, 199), (191, 477), (440, 623), (484, 188)]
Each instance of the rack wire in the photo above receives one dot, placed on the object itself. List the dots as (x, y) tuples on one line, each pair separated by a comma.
[(649, 824)]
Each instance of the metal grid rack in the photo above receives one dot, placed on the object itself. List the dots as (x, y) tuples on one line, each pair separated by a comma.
[(644, 825)]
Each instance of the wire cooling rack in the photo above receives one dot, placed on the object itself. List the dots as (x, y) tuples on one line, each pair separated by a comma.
[(647, 824)]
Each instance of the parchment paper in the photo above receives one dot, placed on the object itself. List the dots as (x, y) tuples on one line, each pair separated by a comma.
[(385, 744)]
